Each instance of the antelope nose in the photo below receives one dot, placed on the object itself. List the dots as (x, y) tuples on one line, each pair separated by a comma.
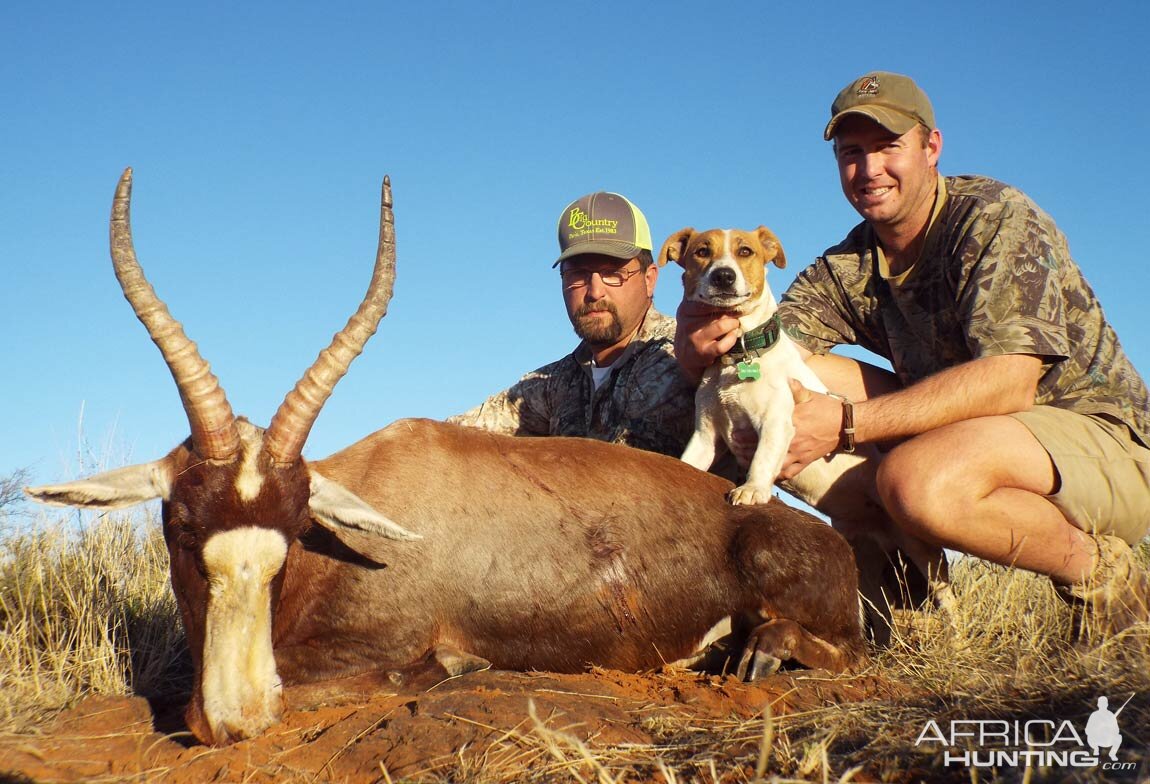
[(724, 277)]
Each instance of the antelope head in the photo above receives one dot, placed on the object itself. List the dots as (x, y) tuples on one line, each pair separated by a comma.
[(235, 497)]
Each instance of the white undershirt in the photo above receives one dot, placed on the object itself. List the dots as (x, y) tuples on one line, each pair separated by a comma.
[(599, 374)]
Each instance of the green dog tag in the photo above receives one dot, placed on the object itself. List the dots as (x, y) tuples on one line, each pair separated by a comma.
[(749, 371)]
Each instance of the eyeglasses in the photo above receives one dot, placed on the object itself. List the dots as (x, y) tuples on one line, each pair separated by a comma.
[(578, 278)]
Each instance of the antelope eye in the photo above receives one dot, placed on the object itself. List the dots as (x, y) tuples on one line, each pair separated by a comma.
[(182, 532), (187, 537)]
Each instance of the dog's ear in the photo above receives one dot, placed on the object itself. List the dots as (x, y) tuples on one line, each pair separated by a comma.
[(675, 245), (772, 244)]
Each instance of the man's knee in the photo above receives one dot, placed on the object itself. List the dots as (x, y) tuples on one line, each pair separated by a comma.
[(910, 492)]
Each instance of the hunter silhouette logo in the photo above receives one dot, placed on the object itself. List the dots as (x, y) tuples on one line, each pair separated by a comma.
[(1102, 728)]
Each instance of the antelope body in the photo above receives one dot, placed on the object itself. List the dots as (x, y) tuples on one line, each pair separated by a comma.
[(427, 544)]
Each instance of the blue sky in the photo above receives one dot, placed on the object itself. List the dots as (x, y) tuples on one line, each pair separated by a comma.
[(259, 133)]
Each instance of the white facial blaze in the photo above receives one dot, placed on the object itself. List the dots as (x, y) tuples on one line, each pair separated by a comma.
[(241, 688), (729, 261), (736, 293), (250, 481)]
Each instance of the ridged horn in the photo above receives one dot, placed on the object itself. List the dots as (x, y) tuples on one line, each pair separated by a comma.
[(292, 423), (213, 424)]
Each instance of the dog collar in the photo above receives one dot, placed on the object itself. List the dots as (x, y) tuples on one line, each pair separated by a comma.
[(755, 342)]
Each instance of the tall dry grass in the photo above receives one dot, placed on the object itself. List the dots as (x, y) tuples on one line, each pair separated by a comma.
[(85, 607)]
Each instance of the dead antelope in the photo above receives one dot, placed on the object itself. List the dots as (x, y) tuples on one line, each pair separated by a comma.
[(427, 544)]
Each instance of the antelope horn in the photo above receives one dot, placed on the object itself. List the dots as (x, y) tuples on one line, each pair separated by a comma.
[(289, 428), (213, 424)]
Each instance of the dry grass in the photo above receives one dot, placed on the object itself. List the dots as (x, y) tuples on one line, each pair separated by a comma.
[(85, 607)]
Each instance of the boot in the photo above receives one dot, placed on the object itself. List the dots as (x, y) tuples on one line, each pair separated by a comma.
[(1114, 596)]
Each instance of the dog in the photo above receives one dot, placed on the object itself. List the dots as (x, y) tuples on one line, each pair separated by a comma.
[(750, 389)]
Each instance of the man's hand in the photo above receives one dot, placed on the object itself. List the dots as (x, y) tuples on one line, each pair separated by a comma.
[(702, 335), (818, 429)]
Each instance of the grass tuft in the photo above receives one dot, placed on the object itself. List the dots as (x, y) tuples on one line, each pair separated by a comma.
[(86, 607)]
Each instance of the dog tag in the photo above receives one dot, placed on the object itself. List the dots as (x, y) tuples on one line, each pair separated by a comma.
[(749, 371)]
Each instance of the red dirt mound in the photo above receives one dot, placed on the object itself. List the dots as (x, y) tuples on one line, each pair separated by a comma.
[(498, 722)]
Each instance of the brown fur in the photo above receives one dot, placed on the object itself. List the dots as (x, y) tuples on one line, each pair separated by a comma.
[(543, 553)]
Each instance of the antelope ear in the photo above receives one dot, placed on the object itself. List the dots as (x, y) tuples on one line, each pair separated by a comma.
[(771, 243), (674, 246), (351, 519), (116, 489)]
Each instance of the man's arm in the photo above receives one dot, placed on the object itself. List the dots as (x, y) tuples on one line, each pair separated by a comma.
[(519, 410), (988, 386)]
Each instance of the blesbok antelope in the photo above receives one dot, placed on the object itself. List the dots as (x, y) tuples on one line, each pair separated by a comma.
[(427, 544)]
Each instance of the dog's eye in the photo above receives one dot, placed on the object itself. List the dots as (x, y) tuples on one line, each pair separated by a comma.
[(703, 252), (745, 251)]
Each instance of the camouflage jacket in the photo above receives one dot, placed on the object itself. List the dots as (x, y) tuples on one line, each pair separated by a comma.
[(645, 402), (994, 277)]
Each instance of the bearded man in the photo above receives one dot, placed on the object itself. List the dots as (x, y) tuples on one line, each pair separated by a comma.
[(621, 383)]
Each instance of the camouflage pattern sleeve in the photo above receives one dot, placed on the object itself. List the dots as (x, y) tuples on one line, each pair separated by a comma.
[(818, 309), (1010, 294), (520, 410)]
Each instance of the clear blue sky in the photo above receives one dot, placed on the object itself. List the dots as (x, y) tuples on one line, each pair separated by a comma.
[(259, 133)]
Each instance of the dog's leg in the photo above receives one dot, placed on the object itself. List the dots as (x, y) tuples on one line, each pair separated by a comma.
[(701, 450), (704, 447), (775, 433)]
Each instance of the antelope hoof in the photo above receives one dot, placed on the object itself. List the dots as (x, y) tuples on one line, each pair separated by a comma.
[(756, 664)]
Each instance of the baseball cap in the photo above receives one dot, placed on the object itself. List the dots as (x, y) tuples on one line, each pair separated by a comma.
[(602, 222), (892, 100)]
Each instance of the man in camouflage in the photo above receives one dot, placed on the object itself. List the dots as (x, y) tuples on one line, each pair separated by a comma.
[(621, 383), (1019, 426)]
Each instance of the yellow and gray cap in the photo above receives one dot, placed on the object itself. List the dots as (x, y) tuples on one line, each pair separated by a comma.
[(892, 100), (604, 223)]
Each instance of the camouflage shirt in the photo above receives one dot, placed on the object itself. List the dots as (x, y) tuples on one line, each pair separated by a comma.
[(994, 277), (645, 402)]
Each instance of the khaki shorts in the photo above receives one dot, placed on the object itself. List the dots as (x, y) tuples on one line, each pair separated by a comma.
[(1104, 474)]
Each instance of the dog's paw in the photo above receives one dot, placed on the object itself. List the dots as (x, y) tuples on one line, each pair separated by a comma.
[(749, 494)]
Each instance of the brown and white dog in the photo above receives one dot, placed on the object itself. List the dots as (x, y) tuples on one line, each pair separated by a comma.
[(749, 388)]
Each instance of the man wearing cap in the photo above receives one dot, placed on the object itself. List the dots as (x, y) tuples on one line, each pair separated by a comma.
[(1018, 426), (621, 383)]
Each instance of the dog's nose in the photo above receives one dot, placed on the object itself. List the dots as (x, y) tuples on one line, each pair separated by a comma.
[(724, 277)]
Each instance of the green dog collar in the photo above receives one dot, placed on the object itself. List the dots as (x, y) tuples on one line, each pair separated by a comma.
[(755, 342)]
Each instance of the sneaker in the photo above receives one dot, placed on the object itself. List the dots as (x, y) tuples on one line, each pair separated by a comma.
[(1115, 596)]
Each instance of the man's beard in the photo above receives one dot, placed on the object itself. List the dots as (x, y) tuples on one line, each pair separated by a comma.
[(596, 331)]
